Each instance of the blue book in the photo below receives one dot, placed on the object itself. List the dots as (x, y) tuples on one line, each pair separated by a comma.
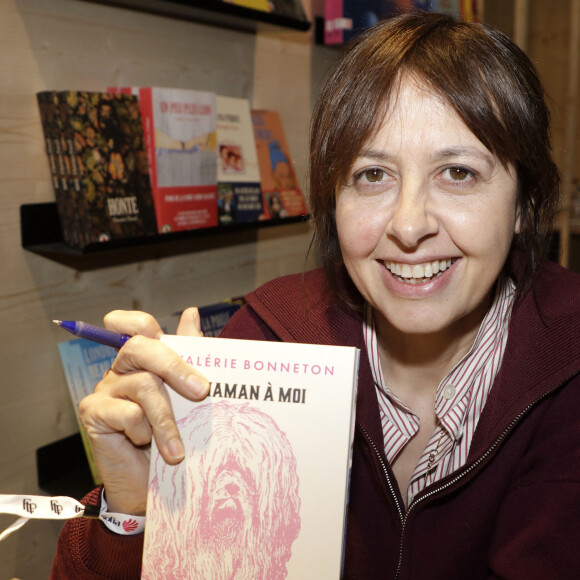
[(84, 362)]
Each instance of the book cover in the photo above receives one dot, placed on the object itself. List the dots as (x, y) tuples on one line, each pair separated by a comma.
[(213, 317), (49, 108), (180, 133), (261, 5), (105, 140), (84, 363), (262, 492), (344, 19), (280, 187), (450, 7), (238, 173)]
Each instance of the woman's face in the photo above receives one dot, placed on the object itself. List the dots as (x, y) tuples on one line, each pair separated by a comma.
[(426, 220)]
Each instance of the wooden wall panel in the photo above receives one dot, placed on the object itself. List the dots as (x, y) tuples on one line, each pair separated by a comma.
[(65, 44)]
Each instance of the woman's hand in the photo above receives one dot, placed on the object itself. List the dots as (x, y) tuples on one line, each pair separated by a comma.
[(131, 405)]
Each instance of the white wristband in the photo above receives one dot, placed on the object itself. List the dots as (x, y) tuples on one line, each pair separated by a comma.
[(120, 523), (63, 508)]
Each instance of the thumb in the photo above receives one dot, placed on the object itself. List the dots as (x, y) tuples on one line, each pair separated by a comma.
[(190, 323)]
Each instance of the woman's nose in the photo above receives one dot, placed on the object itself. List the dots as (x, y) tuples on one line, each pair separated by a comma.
[(412, 221)]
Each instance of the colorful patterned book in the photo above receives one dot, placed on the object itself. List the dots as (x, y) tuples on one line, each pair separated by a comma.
[(108, 163), (49, 108)]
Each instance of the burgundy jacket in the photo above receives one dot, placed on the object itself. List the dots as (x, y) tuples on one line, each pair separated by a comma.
[(513, 511)]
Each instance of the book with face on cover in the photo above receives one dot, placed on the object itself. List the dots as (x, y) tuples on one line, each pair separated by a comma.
[(238, 173), (263, 489)]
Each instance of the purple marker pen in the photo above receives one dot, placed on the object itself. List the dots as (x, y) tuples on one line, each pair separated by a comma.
[(94, 333)]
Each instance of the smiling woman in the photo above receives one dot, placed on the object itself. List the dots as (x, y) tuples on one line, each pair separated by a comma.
[(435, 194), (432, 193)]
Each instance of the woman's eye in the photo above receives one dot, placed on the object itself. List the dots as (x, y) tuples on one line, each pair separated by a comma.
[(458, 173), (371, 175)]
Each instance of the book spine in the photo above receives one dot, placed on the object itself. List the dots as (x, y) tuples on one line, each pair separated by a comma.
[(73, 166), (146, 107), (51, 125)]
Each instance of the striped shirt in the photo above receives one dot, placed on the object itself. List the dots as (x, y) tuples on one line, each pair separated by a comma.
[(460, 398)]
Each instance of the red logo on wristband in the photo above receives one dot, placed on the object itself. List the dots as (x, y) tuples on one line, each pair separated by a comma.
[(130, 525)]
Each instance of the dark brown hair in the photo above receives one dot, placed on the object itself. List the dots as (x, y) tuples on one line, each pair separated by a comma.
[(481, 73)]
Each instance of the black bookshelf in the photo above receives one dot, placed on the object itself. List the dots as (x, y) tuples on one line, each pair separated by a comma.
[(286, 13), (41, 234)]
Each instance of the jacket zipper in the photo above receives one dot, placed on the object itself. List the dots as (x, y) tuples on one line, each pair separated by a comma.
[(405, 516), (469, 469), (385, 471)]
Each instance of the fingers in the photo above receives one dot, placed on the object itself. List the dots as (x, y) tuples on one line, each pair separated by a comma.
[(133, 322), (190, 323), (131, 405), (135, 405), (140, 353)]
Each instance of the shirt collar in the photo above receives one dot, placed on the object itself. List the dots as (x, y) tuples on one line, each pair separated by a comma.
[(455, 390)]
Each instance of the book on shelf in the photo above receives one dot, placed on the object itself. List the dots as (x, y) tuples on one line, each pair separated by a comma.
[(106, 167), (287, 8), (50, 116), (261, 5), (238, 173), (213, 317), (280, 187), (263, 489), (344, 19), (181, 137), (84, 362)]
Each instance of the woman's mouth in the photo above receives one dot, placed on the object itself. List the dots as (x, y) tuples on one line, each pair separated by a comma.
[(419, 273)]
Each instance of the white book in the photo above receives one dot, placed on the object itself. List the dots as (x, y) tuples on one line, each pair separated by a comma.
[(263, 490), (238, 176)]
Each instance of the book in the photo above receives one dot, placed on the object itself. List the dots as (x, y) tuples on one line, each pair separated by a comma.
[(451, 7), (49, 109), (280, 187), (213, 317), (344, 19), (261, 5), (180, 132), (84, 362), (238, 173), (108, 165), (262, 491)]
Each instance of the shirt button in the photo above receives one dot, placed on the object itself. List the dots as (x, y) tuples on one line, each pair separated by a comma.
[(449, 392)]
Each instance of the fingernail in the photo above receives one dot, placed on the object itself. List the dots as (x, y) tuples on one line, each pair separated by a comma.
[(197, 385), (175, 449)]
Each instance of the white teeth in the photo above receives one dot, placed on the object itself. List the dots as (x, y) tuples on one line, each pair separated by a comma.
[(415, 272)]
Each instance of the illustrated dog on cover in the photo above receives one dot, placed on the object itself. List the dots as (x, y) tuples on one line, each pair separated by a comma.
[(231, 508)]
